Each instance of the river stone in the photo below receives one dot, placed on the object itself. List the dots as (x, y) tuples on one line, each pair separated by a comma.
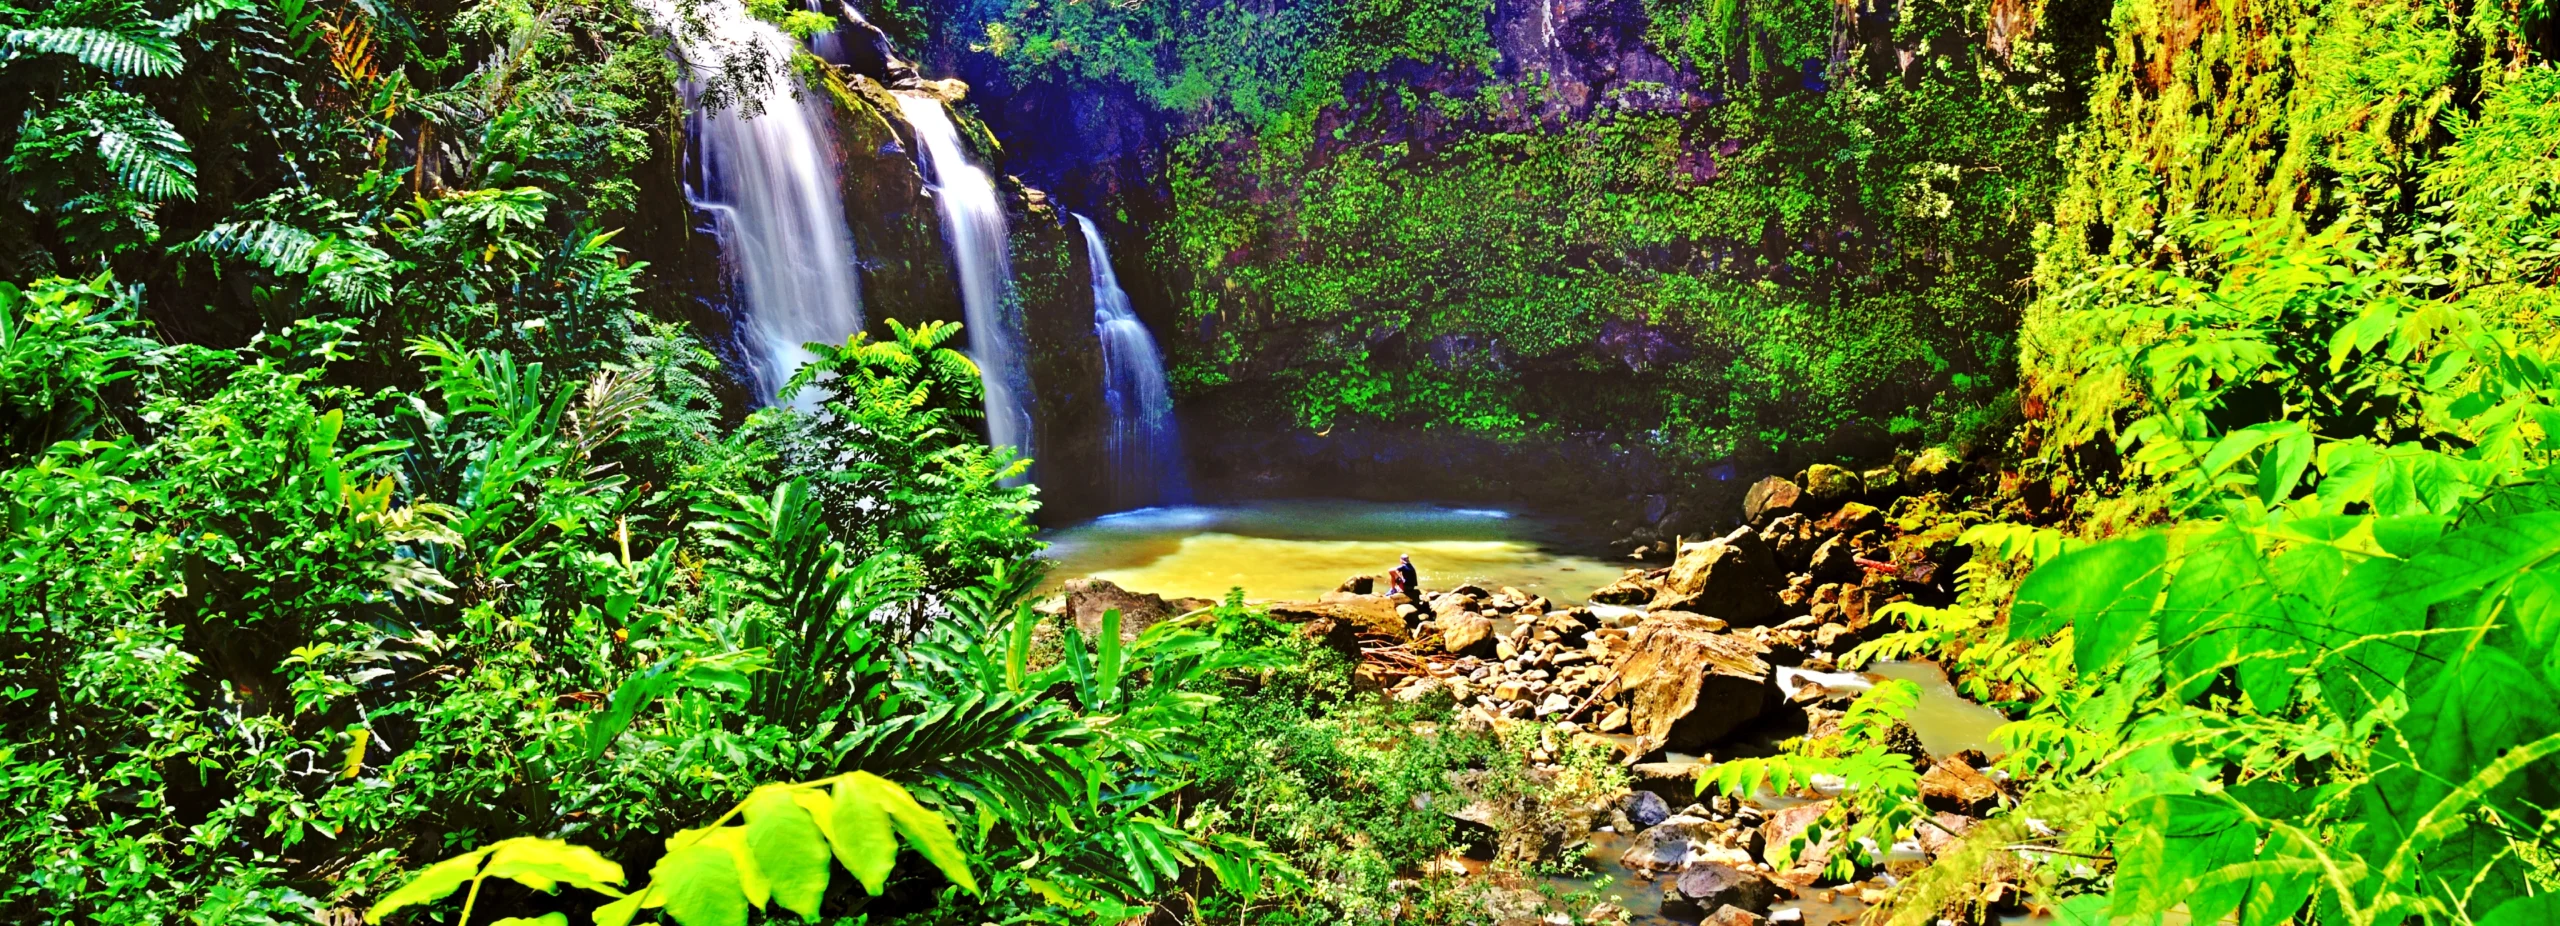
[(1665, 846), (1467, 633), (1786, 823), (1644, 808), (1713, 885), (1884, 483), (1832, 562), (1359, 585), (1735, 577), (1367, 615), (1770, 498), (1792, 538), (1826, 484), (1688, 685)]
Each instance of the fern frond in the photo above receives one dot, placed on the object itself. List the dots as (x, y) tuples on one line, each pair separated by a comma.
[(137, 50), (270, 244), (147, 156)]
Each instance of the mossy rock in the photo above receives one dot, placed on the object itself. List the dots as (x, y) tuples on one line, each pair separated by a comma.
[(1830, 485)]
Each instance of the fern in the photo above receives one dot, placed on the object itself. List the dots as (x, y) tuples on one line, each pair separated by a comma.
[(273, 245), (134, 50)]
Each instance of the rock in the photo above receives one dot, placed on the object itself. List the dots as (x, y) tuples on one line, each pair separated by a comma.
[(1359, 585), (1467, 633), (1087, 600), (1786, 823), (1954, 787), (1852, 518), (1417, 689), (1833, 562), (1630, 589), (1735, 577), (1826, 484), (1471, 591), (1665, 846), (1732, 916), (1338, 636), (1509, 690), (1884, 483), (1367, 615), (1555, 704), (1942, 831), (1770, 498), (1644, 808), (1712, 886), (1688, 685), (1829, 637), (1933, 466), (1614, 721), (1792, 539)]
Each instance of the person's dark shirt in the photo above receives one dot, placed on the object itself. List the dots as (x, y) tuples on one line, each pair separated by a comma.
[(1412, 581)]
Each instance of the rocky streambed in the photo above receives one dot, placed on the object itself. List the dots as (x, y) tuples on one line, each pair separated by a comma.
[(1728, 650)]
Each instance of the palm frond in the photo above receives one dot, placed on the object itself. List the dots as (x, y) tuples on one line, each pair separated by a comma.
[(146, 155), (267, 243)]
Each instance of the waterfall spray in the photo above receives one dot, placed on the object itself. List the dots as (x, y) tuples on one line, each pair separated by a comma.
[(1142, 447), (973, 226), (768, 180)]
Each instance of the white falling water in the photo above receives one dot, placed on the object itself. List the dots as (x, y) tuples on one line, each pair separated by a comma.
[(973, 226), (1144, 454), (769, 182)]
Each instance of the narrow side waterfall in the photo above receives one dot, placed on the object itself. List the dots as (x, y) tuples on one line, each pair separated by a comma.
[(1144, 453), (768, 181), (973, 226)]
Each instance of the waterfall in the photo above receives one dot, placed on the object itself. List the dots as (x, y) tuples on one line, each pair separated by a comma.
[(1145, 458), (973, 226), (769, 183)]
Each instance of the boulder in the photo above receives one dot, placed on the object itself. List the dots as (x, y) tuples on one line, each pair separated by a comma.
[(1884, 483), (1087, 599), (1467, 633), (1359, 585), (1851, 518), (1933, 467), (1825, 484), (1735, 577), (1833, 561), (1663, 847), (1950, 786), (1687, 684), (1366, 615), (1770, 498), (1712, 886), (1942, 831)]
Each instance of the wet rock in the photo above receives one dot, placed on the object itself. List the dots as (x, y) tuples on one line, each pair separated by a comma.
[(1954, 787), (1770, 498), (1359, 585), (1688, 685), (1735, 577), (1467, 633), (1713, 885), (1367, 615)]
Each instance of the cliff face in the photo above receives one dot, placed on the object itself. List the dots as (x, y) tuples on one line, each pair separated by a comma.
[(1679, 235)]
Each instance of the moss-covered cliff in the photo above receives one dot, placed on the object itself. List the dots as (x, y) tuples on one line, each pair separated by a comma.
[(1691, 232)]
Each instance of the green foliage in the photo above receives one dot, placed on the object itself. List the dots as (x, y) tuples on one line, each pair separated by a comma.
[(1879, 788)]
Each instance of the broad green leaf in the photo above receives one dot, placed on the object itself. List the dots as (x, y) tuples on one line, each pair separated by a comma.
[(2112, 584), (431, 885), (698, 884), (2477, 555), (2537, 910), (923, 828), (543, 864), (547, 919), (2286, 460), (620, 912), (788, 849), (859, 831)]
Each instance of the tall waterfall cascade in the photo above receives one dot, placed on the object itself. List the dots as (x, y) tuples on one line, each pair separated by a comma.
[(973, 225), (1142, 448), (768, 182)]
